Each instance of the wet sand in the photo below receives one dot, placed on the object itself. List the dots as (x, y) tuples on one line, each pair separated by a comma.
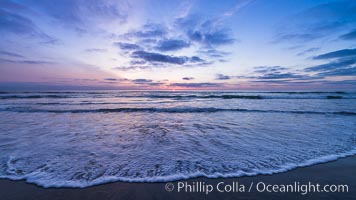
[(337, 172)]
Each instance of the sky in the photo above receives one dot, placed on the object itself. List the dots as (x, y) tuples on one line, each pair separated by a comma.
[(178, 44)]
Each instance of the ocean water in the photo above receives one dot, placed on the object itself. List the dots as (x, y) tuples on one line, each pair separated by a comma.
[(84, 138)]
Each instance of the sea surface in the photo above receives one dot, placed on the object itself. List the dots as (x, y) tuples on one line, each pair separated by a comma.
[(84, 138)]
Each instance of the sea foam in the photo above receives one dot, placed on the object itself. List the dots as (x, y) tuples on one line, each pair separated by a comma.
[(91, 138)]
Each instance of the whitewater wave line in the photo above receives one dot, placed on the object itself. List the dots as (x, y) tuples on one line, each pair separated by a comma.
[(169, 110), (257, 97), (109, 92)]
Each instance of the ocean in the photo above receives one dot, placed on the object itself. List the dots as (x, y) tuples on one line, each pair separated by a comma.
[(85, 138)]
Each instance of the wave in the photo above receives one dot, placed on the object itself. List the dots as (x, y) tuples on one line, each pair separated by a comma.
[(94, 103), (177, 97), (316, 92), (334, 97), (33, 96), (170, 110), (48, 183), (208, 96), (127, 91), (140, 96), (257, 97)]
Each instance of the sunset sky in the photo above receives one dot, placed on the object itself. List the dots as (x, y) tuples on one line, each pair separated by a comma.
[(137, 44)]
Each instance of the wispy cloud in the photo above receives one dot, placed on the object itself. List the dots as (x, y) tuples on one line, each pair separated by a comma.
[(317, 22), (240, 4), (116, 79), (209, 33), (274, 74), (307, 51), (279, 75), (172, 45), (337, 54), (147, 82), (11, 54), (349, 36), (83, 15), (196, 85), (342, 63), (188, 78), (149, 30), (93, 50), (337, 64), (157, 57), (30, 62), (131, 68), (222, 77), (14, 23), (127, 46), (351, 71), (152, 41), (268, 69), (141, 80)]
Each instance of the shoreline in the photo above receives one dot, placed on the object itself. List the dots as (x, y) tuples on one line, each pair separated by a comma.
[(338, 172)]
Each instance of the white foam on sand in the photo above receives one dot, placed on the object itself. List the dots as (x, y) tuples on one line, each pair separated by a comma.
[(39, 178)]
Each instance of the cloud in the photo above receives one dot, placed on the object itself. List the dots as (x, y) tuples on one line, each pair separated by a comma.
[(276, 74), (150, 30), (127, 46), (237, 7), (221, 37), (343, 63), (142, 80), (30, 62), (157, 57), (279, 75), (340, 72), (195, 85), (196, 59), (13, 23), (137, 62), (95, 50), (188, 78), (131, 68), (317, 22), (349, 36), (283, 81), (211, 52), (337, 54), (200, 36), (351, 82), (307, 51), (222, 77), (82, 15), (147, 82), (207, 32), (116, 79), (296, 37), (213, 38), (111, 79), (6, 53), (268, 69), (172, 45), (340, 63), (155, 84)]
